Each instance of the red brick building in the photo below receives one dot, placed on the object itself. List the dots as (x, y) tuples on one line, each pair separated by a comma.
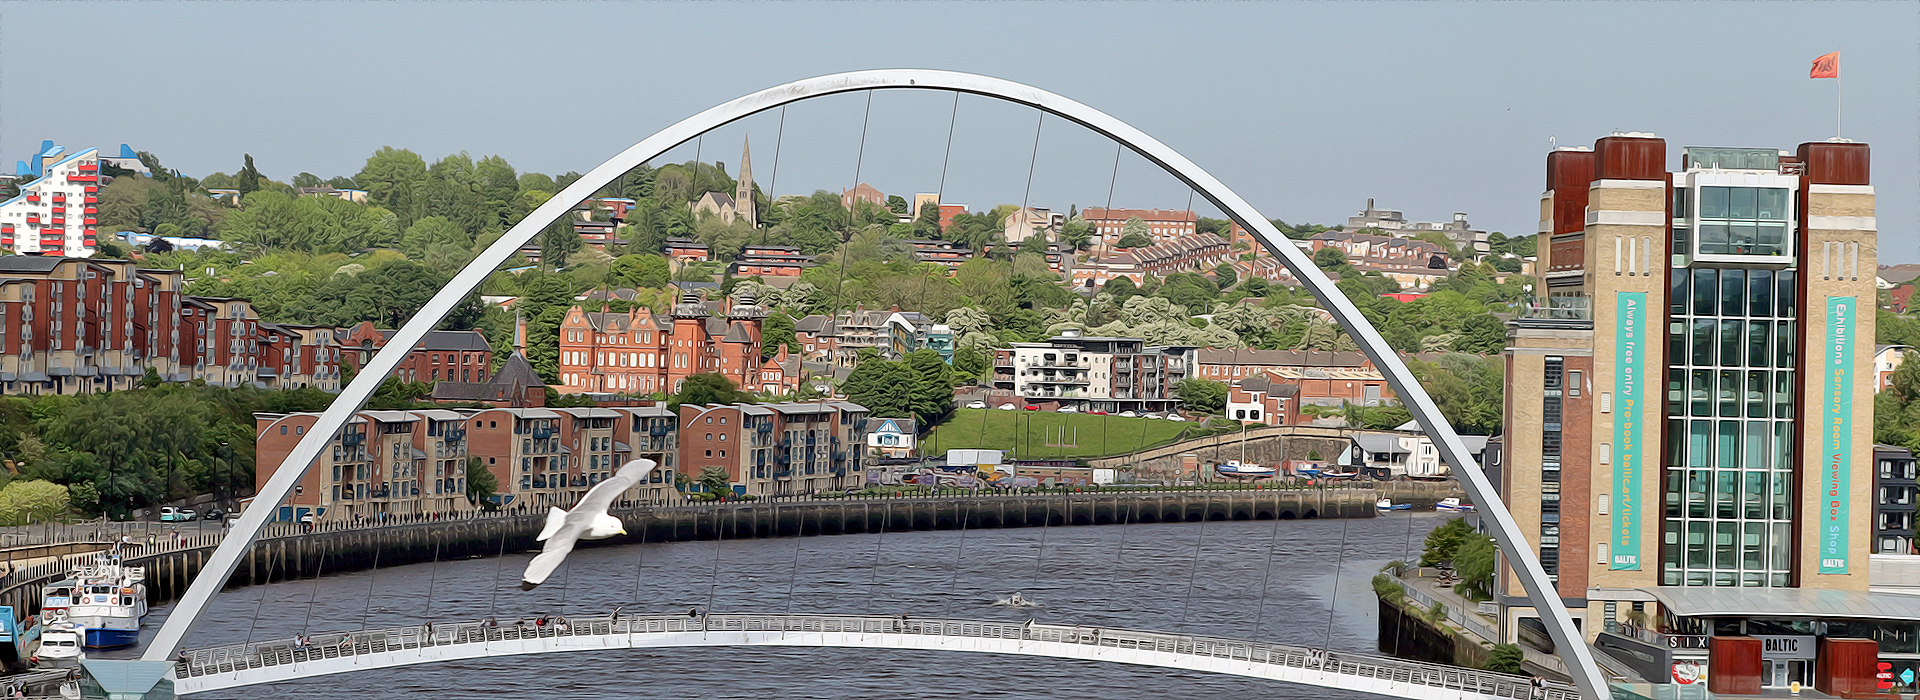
[(637, 352), (457, 356), (79, 325)]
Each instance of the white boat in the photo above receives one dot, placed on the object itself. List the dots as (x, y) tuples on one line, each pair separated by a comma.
[(1453, 505), (1235, 469), (1388, 504), (108, 600), (61, 645)]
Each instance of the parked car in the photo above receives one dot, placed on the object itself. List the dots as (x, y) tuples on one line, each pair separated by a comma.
[(977, 404), (215, 514), (1007, 407), (1098, 412), (1030, 408), (170, 514), (1177, 418), (1068, 409), (1129, 414)]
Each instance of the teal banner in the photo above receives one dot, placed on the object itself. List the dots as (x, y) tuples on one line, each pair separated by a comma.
[(1836, 435), (1630, 344)]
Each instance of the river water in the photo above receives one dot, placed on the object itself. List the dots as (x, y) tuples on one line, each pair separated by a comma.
[(1218, 578)]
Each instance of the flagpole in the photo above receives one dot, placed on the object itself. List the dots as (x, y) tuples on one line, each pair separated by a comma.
[(1837, 93)]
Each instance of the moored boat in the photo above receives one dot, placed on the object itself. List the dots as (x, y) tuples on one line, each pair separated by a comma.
[(1453, 505), (108, 600)]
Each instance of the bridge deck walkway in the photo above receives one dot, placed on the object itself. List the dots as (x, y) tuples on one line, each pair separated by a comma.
[(241, 665)]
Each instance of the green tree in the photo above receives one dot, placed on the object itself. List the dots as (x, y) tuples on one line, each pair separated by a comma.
[(1077, 233), (926, 226), (1474, 561), (1202, 395), (932, 386), (703, 389), (971, 363), (899, 205), (1481, 335), (1506, 658), (432, 230), (397, 180), (558, 242), (1330, 259), (776, 333), (715, 480), (1467, 388), (642, 271), (248, 181), (1444, 541), (28, 501), (1135, 229), (481, 483), (885, 387), (1225, 275)]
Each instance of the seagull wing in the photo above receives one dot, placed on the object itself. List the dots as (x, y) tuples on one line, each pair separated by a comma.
[(597, 500), (554, 552)]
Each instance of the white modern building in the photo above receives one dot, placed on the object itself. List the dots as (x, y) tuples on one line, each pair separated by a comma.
[(54, 214)]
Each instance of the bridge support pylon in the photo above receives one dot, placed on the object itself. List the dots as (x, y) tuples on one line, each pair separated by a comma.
[(114, 679)]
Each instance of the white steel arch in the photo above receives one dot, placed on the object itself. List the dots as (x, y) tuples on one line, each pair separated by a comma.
[(1493, 512)]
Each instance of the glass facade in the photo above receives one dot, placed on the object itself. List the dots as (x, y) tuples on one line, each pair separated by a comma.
[(1741, 220), (1730, 409)]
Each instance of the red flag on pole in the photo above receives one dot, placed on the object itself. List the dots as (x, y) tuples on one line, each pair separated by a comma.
[(1827, 66)]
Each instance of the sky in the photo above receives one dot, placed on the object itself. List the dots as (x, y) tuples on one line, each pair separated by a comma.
[(1304, 109)]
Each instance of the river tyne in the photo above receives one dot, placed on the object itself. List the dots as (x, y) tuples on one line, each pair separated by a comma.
[(1126, 576)]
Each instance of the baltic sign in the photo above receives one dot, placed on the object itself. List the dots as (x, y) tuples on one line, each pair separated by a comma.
[(1836, 434), (1630, 342), (1786, 646)]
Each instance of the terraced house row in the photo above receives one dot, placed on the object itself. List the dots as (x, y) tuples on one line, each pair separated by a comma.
[(420, 461)]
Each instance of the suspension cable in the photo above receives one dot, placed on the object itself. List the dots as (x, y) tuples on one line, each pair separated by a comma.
[(319, 569), (433, 573), (779, 136), (640, 562), (261, 602), (853, 204), (719, 538), (1333, 597), (1266, 577), (1193, 572), (940, 194), (959, 556)]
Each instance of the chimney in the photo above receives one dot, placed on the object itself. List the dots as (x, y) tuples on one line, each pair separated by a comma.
[(1369, 205), (519, 332)]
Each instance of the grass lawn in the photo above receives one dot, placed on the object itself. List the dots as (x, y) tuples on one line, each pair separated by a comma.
[(1038, 434)]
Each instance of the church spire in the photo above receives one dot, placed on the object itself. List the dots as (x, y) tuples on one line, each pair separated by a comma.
[(744, 206)]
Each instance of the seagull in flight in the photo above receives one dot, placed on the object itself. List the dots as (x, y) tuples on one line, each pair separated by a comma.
[(588, 520)]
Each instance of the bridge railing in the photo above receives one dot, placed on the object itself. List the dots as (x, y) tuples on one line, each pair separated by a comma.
[(334, 645)]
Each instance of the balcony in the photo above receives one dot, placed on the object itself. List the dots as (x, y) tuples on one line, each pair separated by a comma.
[(1057, 380), (1557, 310), (659, 430), (766, 426)]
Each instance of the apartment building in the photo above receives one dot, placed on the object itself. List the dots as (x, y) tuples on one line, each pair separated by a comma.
[(1729, 500), (80, 325), (1095, 373), (777, 449), (770, 261), (947, 254), (1033, 222), (1894, 491), (637, 352), (1197, 253), (1457, 230), (1162, 224), (408, 462), (452, 356), (1323, 378), (55, 213)]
